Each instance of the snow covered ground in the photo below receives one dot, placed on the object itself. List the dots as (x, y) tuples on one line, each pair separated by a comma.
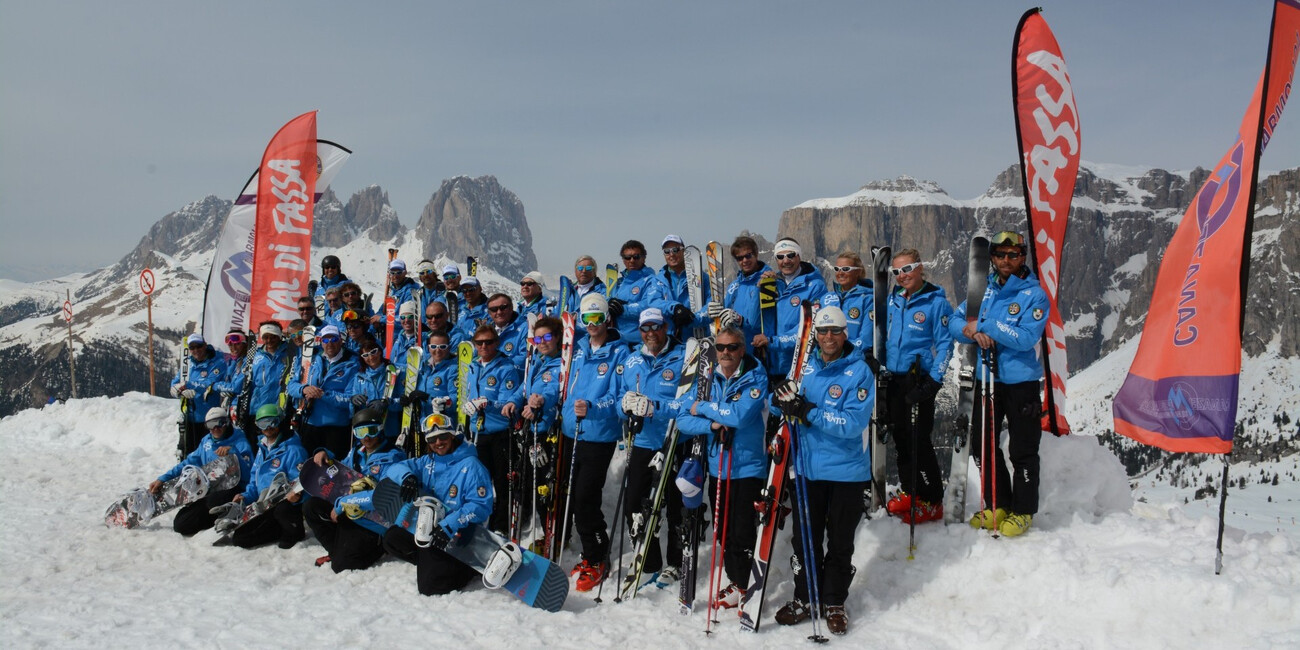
[(1096, 571)]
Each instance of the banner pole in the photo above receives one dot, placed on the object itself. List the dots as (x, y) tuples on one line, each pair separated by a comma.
[(1223, 504)]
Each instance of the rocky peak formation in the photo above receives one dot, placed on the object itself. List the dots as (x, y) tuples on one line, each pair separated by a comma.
[(476, 216)]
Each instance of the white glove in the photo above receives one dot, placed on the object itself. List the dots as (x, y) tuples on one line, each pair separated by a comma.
[(441, 403), (188, 393), (729, 318), (473, 406), (715, 309), (638, 405), (176, 390)]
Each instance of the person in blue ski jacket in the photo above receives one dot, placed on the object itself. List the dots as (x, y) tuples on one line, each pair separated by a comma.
[(331, 276), (493, 378), (855, 295), (918, 348), (648, 388), (733, 420), (740, 306), (511, 328), (676, 303), (350, 540), (326, 395), (451, 285), (264, 380), (197, 388), (451, 473), (436, 385), (531, 300), (473, 309), (590, 443), (332, 314), (353, 300), (1012, 317), (357, 330), (537, 399), (430, 287), (400, 287), (797, 283), (638, 288), (832, 405), (278, 452), (219, 441), (407, 337), (369, 385)]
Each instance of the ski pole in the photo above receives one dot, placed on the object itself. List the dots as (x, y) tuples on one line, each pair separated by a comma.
[(568, 489), (994, 432), (805, 529), (911, 503)]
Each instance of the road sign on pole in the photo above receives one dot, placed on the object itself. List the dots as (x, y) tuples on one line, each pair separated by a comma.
[(147, 284)]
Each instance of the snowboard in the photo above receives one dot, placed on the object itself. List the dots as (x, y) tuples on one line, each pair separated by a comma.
[(537, 581), (334, 480), (139, 506), (955, 495), (279, 489)]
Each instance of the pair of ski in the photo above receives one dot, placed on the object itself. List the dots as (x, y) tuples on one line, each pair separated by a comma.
[(976, 285)]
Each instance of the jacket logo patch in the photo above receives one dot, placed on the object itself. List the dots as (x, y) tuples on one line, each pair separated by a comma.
[(919, 317), (482, 491), (835, 391), (943, 320), (862, 394), (451, 492), (491, 381), (510, 347), (794, 301), (602, 369), (755, 393), (546, 376), (203, 373), (668, 374), (636, 290), (437, 381), (275, 463), (374, 469), (854, 312), (510, 384), (1014, 308), (1038, 313)]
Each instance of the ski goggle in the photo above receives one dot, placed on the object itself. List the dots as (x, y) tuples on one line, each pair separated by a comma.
[(218, 423), (584, 267), (268, 423), (435, 421), (543, 338), (846, 269), (1007, 238), (367, 431), (906, 268), (330, 339), (235, 339), (593, 318), (351, 315)]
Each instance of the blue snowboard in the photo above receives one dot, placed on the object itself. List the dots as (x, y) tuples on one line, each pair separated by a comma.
[(538, 582)]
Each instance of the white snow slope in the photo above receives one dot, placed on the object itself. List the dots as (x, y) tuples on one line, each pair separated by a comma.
[(1096, 570)]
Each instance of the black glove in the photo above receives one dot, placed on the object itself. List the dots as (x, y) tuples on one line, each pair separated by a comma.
[(615, 308), (681, 316), (925, 390), (359, 401), (723, 436), (410, 488), (873, 363), (377, 404), (416, 397), (439, 538), (790, 401)]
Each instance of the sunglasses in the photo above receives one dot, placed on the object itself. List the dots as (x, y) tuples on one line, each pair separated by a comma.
[(830, 330), (997, 255), (906, 268), (484, 342), (407, 317), (213, 425), (586, 267), (728, 347), (438, 347), (470, 287), (197, 346), (652, 327), (329, 268), (436, 316), (428, 272), (672, 250), (542, 338), (593, 318), (234, 339), (330, 339), (367, 431), (498, 308), (303, 309), (528, 284), (846, 269), (396, 271), (744, 258), (351, 294), (370, 353), (786, 256), (634, 256), (450, 276)]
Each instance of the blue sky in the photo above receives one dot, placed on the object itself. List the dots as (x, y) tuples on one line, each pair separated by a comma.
[(617, 120)]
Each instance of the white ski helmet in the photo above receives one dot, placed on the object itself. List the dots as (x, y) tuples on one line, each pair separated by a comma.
[(594, 303)]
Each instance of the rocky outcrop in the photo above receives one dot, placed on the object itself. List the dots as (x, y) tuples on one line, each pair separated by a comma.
[(476, 216)]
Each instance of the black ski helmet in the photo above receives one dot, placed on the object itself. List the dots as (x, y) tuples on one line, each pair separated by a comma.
[(367, 416), (331, 261)]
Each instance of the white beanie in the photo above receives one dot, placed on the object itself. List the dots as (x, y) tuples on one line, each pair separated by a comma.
[(788, 246), (536, 276)]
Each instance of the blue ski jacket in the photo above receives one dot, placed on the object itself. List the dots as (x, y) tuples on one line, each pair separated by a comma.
[(737, 403), (807, 287), (202, 376), (545, 381), (514, 340), (285, 456), (403, 342), (843, 393), (639, 290), (655, 377), (334, 408), (678, 292), (496, 381), (268, 371), (459, 480), (858, 304), (372, 465), (541, 307), (438, 381), (207, 452), (326, 284), (1014, 315), (918, 331), (742, 297), (592, 377)]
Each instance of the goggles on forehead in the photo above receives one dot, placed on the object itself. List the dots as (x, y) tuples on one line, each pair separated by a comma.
[(234, 339), (435, 421), (1007, 238)]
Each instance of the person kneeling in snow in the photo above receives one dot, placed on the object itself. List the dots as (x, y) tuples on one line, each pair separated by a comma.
[(277, 454), (453, 474), (350, 541), (195, 517)]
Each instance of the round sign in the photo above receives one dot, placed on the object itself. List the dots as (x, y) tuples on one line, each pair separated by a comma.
[(67, 311), (147, 281)]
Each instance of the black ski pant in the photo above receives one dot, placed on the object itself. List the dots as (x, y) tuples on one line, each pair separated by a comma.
[(349, 545), (741, 527), (194, 432), (637, 501), (1019, 405), (336, 438), (590, 465), (436, 572), (834, 510), (920, 477), (494, 452), (192, 518), (281, 524)]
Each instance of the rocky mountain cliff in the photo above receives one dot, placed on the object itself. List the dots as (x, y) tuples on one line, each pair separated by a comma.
[(476, 216)]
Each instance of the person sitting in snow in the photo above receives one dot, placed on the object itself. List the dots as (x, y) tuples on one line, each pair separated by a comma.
[(194, 517), (279, 452)]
